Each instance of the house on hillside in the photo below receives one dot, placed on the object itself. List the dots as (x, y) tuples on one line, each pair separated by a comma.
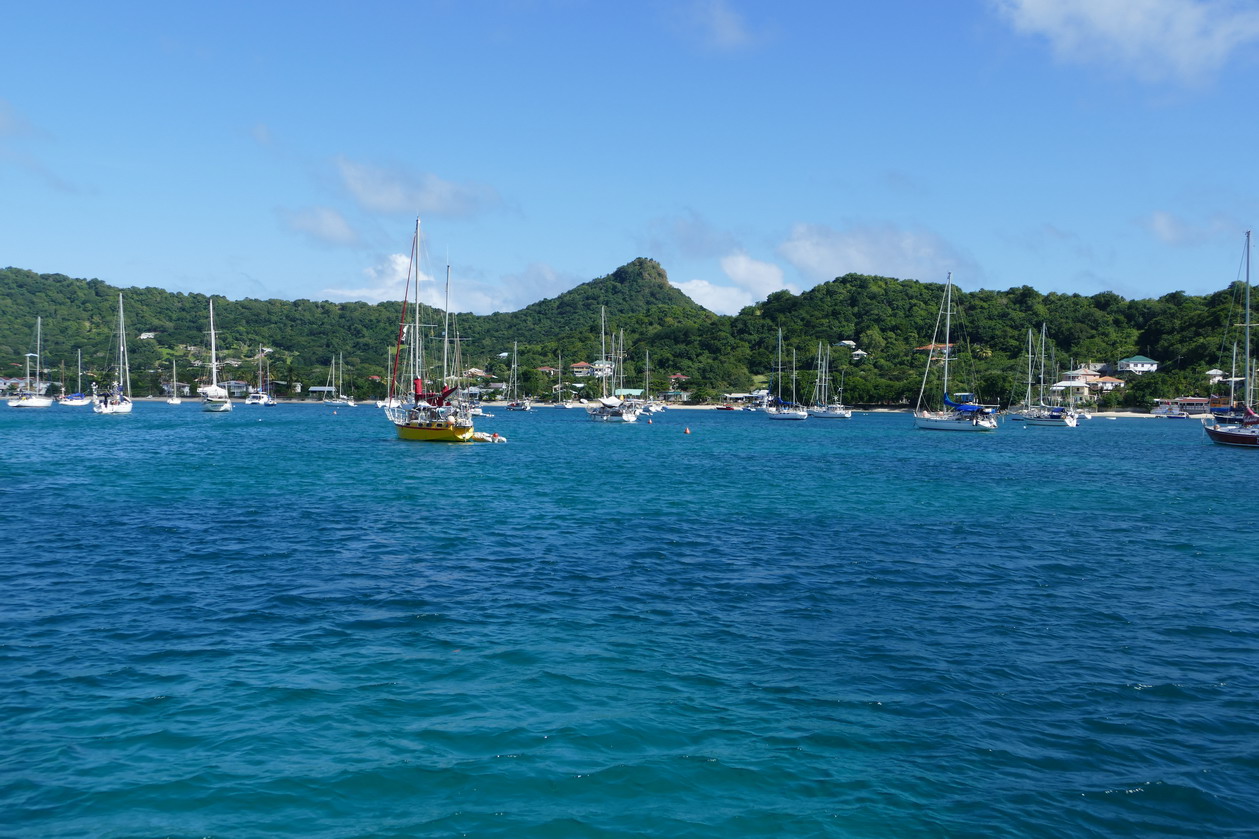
[(939, 350), (1137, 364), (1105, 384)]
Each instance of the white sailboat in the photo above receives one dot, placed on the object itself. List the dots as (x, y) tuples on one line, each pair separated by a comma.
[(514, 402), (77, 399), (1042, 413), (116, 400), (781, 410), (32, 396), (174, 387), (609, 407), (336, 374), (823, 407), (214, 397), (1243, 433), (261, 396), (966, 415)]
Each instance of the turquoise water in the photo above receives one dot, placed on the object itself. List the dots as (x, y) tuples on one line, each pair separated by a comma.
[(284, 622)]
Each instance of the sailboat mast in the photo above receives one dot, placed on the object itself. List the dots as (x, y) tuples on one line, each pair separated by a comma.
[(1249, 399), (124, 368), (1027, 400), (948, 314), (214, 358), (39, 336), (647, 377), (1041, 393), (603, 350), (446, 331)]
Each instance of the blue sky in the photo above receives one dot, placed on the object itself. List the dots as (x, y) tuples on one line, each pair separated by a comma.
[(284, 149)]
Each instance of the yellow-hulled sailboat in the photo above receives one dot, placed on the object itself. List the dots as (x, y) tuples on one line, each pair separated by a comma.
[(437, 413)]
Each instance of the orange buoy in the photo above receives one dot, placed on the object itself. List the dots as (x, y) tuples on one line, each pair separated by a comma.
[(687, 431)]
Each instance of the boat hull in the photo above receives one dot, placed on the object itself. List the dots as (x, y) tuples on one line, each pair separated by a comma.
[(31, 402), (954, 423), (1052, 422), (788, 415), (427, 431), (1242, 437), (830, 413), (112, 407), (215, 406)]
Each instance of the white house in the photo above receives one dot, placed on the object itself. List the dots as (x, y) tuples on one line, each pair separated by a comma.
[(1137, 364), (1105, 384)]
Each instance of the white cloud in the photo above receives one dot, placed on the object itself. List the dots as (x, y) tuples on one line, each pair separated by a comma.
[(753, 280), (753, 275), (469, 291), (386, 280), (822, 253), (1177, 232), (322, 224), (724, 300), (1153, 40), (715, 23), (398, 189)]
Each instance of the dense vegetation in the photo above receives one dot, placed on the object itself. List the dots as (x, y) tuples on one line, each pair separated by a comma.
[(887, 318)]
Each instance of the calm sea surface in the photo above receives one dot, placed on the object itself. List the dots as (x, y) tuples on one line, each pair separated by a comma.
[(285, 622)]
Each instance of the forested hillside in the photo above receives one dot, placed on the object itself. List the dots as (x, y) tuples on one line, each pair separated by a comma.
[(886, 318)]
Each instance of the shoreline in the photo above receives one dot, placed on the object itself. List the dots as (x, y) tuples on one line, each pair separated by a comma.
[(672, 407)]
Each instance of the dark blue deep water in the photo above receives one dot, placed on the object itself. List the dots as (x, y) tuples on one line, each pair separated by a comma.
[(285, 622)]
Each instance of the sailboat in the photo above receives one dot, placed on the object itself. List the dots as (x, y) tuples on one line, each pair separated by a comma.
[(515, 403), (32, 396), (1043, 414), (174, 387), (261, 396), (966, 415), (442, 414), (609, 407), (560, 400), (781, 410), (1244, 433), (650, 406), (77, 399), (116, 400), (214, 397), (335, 386), (822, 406)]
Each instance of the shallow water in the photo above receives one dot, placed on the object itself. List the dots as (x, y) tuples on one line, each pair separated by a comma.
[(285, 622)]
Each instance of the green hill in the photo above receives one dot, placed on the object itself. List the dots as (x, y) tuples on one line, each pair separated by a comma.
[(886, 318)]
